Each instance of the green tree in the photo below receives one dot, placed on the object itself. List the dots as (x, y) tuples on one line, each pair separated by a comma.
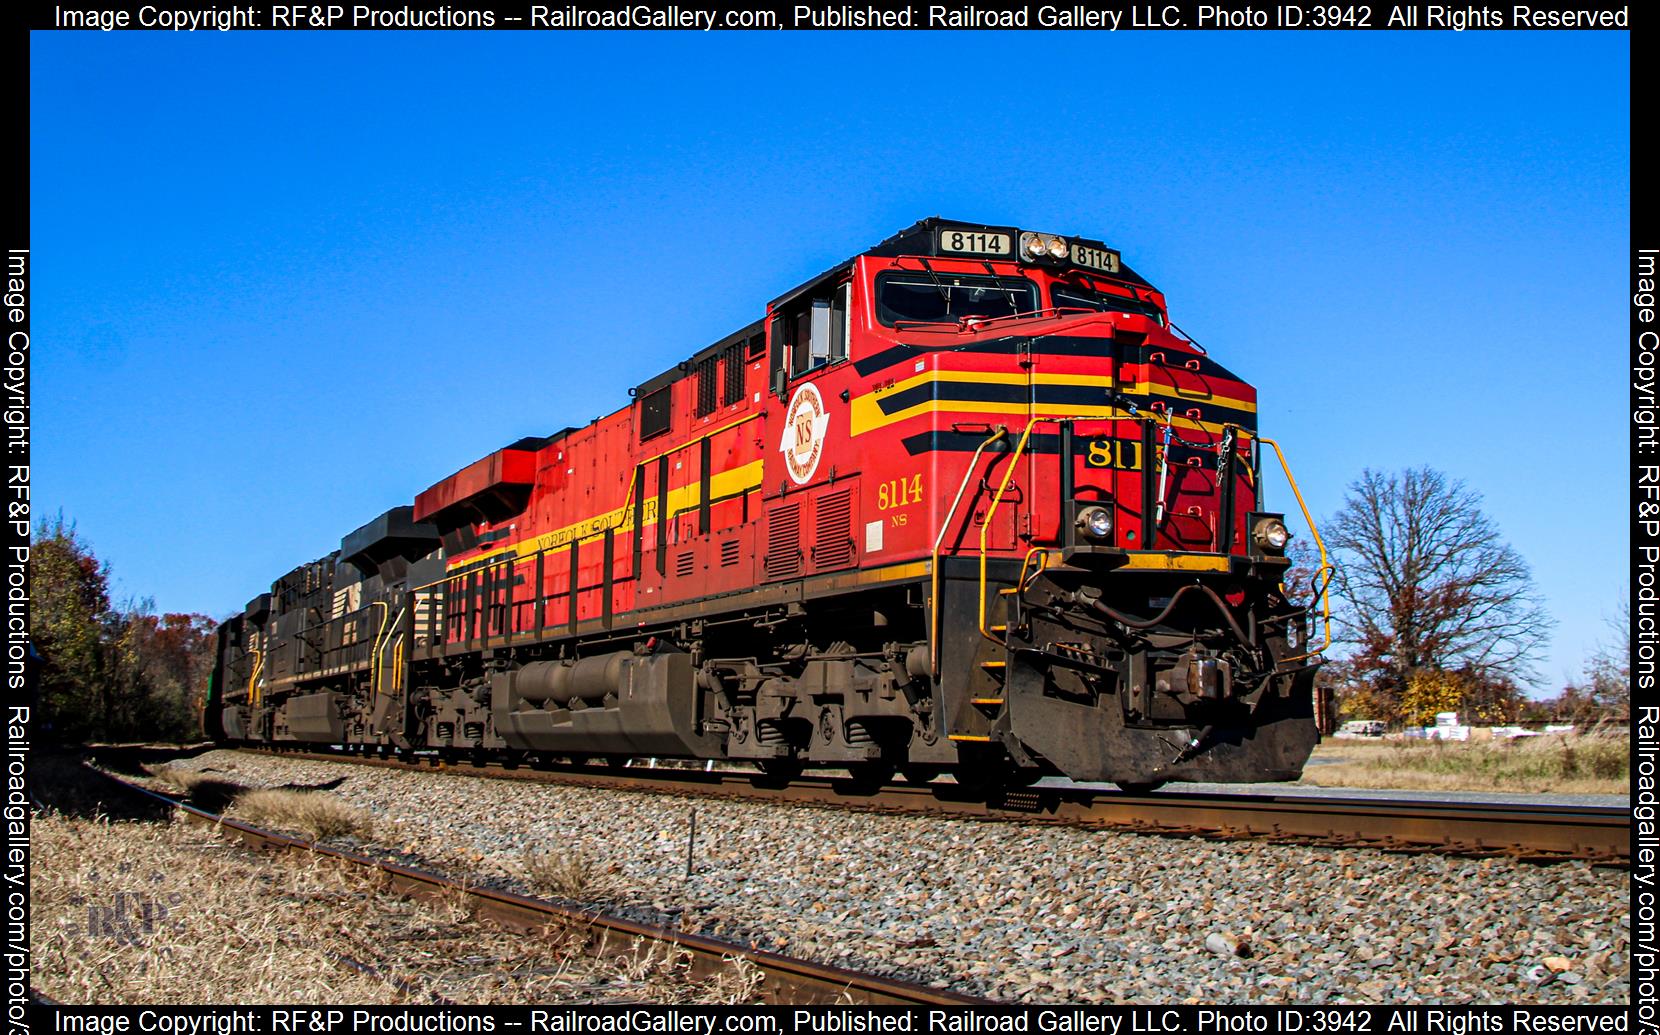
[(108, 672), (69, 592)]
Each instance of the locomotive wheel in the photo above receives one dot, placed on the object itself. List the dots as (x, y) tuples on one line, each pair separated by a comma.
[(777, 772), (920, 773), (781, 769), (870, 775), (1130, 787)]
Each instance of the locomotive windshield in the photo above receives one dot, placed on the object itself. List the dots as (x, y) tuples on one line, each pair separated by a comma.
[(1074, 296), (948, 297)]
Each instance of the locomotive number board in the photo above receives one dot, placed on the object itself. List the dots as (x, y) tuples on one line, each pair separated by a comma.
[(975, 242), (1103, 259)]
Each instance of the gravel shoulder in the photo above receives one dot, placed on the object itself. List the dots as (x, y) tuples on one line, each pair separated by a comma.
[(1023, 913)]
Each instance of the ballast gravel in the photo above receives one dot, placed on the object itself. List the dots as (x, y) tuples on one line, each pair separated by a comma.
[(1016, 911)]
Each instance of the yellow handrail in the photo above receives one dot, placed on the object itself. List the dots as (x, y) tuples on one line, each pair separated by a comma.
[(991, 511), (621, 512), (939, 541), (253, 677), (997, 498), (374, 652), (1325, 561), (1045, 551)]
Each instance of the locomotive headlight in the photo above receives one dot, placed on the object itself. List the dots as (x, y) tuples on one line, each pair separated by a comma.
[(1095, 522), (1043, 246), (1271, 535)]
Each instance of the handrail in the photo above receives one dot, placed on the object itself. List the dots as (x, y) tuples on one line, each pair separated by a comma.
[(985, 528), (997, 498), (622, 510), (1325, 562), (396, 643), (397, 662), (259, 666), (975, 324), (1045, 551), (374, 652), (934, 557)]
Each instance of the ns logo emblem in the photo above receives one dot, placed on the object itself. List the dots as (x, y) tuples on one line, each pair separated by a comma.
[(804, 430)]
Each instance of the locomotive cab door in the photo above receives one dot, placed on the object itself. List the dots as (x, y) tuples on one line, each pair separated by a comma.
[(808, 339)]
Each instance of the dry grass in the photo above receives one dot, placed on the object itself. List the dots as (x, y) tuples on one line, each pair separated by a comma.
[(316, 814), (1571, 764), (573, 874), (184, 781), (168, 913)]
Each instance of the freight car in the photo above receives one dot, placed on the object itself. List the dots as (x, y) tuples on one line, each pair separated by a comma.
[(967, 501)]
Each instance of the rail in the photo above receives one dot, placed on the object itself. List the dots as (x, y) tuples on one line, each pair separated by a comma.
[(1539, 833), (786, 980)]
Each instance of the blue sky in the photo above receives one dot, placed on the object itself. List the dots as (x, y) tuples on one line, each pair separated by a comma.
[(286, 281)]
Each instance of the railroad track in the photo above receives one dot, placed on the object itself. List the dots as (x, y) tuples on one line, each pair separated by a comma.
[(1537, 833), (785, 980)]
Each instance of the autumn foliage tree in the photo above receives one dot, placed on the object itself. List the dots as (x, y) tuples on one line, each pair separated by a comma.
[(70, 605), (109, 672), (1427, 589)]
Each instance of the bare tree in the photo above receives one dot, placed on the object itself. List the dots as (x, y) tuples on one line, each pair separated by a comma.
[(1424, 581), (1607, 687)]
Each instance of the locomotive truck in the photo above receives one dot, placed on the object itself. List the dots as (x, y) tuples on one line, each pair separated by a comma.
[(967, 501)]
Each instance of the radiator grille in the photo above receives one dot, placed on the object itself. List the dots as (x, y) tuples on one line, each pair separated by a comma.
[(731, 552), (705, 387), (684, 564), (783, 541), (833, 531)]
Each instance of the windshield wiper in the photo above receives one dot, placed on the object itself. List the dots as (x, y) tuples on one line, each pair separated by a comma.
[(935, 278), (1008, 296)]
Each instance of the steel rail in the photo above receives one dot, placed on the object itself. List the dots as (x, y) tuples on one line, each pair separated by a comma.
[(785, 980), (1538, 833)]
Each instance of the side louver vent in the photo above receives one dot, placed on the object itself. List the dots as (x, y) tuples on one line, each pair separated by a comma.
[(833, 531), (783, 557)]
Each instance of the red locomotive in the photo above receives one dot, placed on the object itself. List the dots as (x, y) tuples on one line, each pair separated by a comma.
[(966, 501)]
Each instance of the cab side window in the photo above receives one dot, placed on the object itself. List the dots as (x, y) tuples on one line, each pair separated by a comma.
[(809, 334)]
